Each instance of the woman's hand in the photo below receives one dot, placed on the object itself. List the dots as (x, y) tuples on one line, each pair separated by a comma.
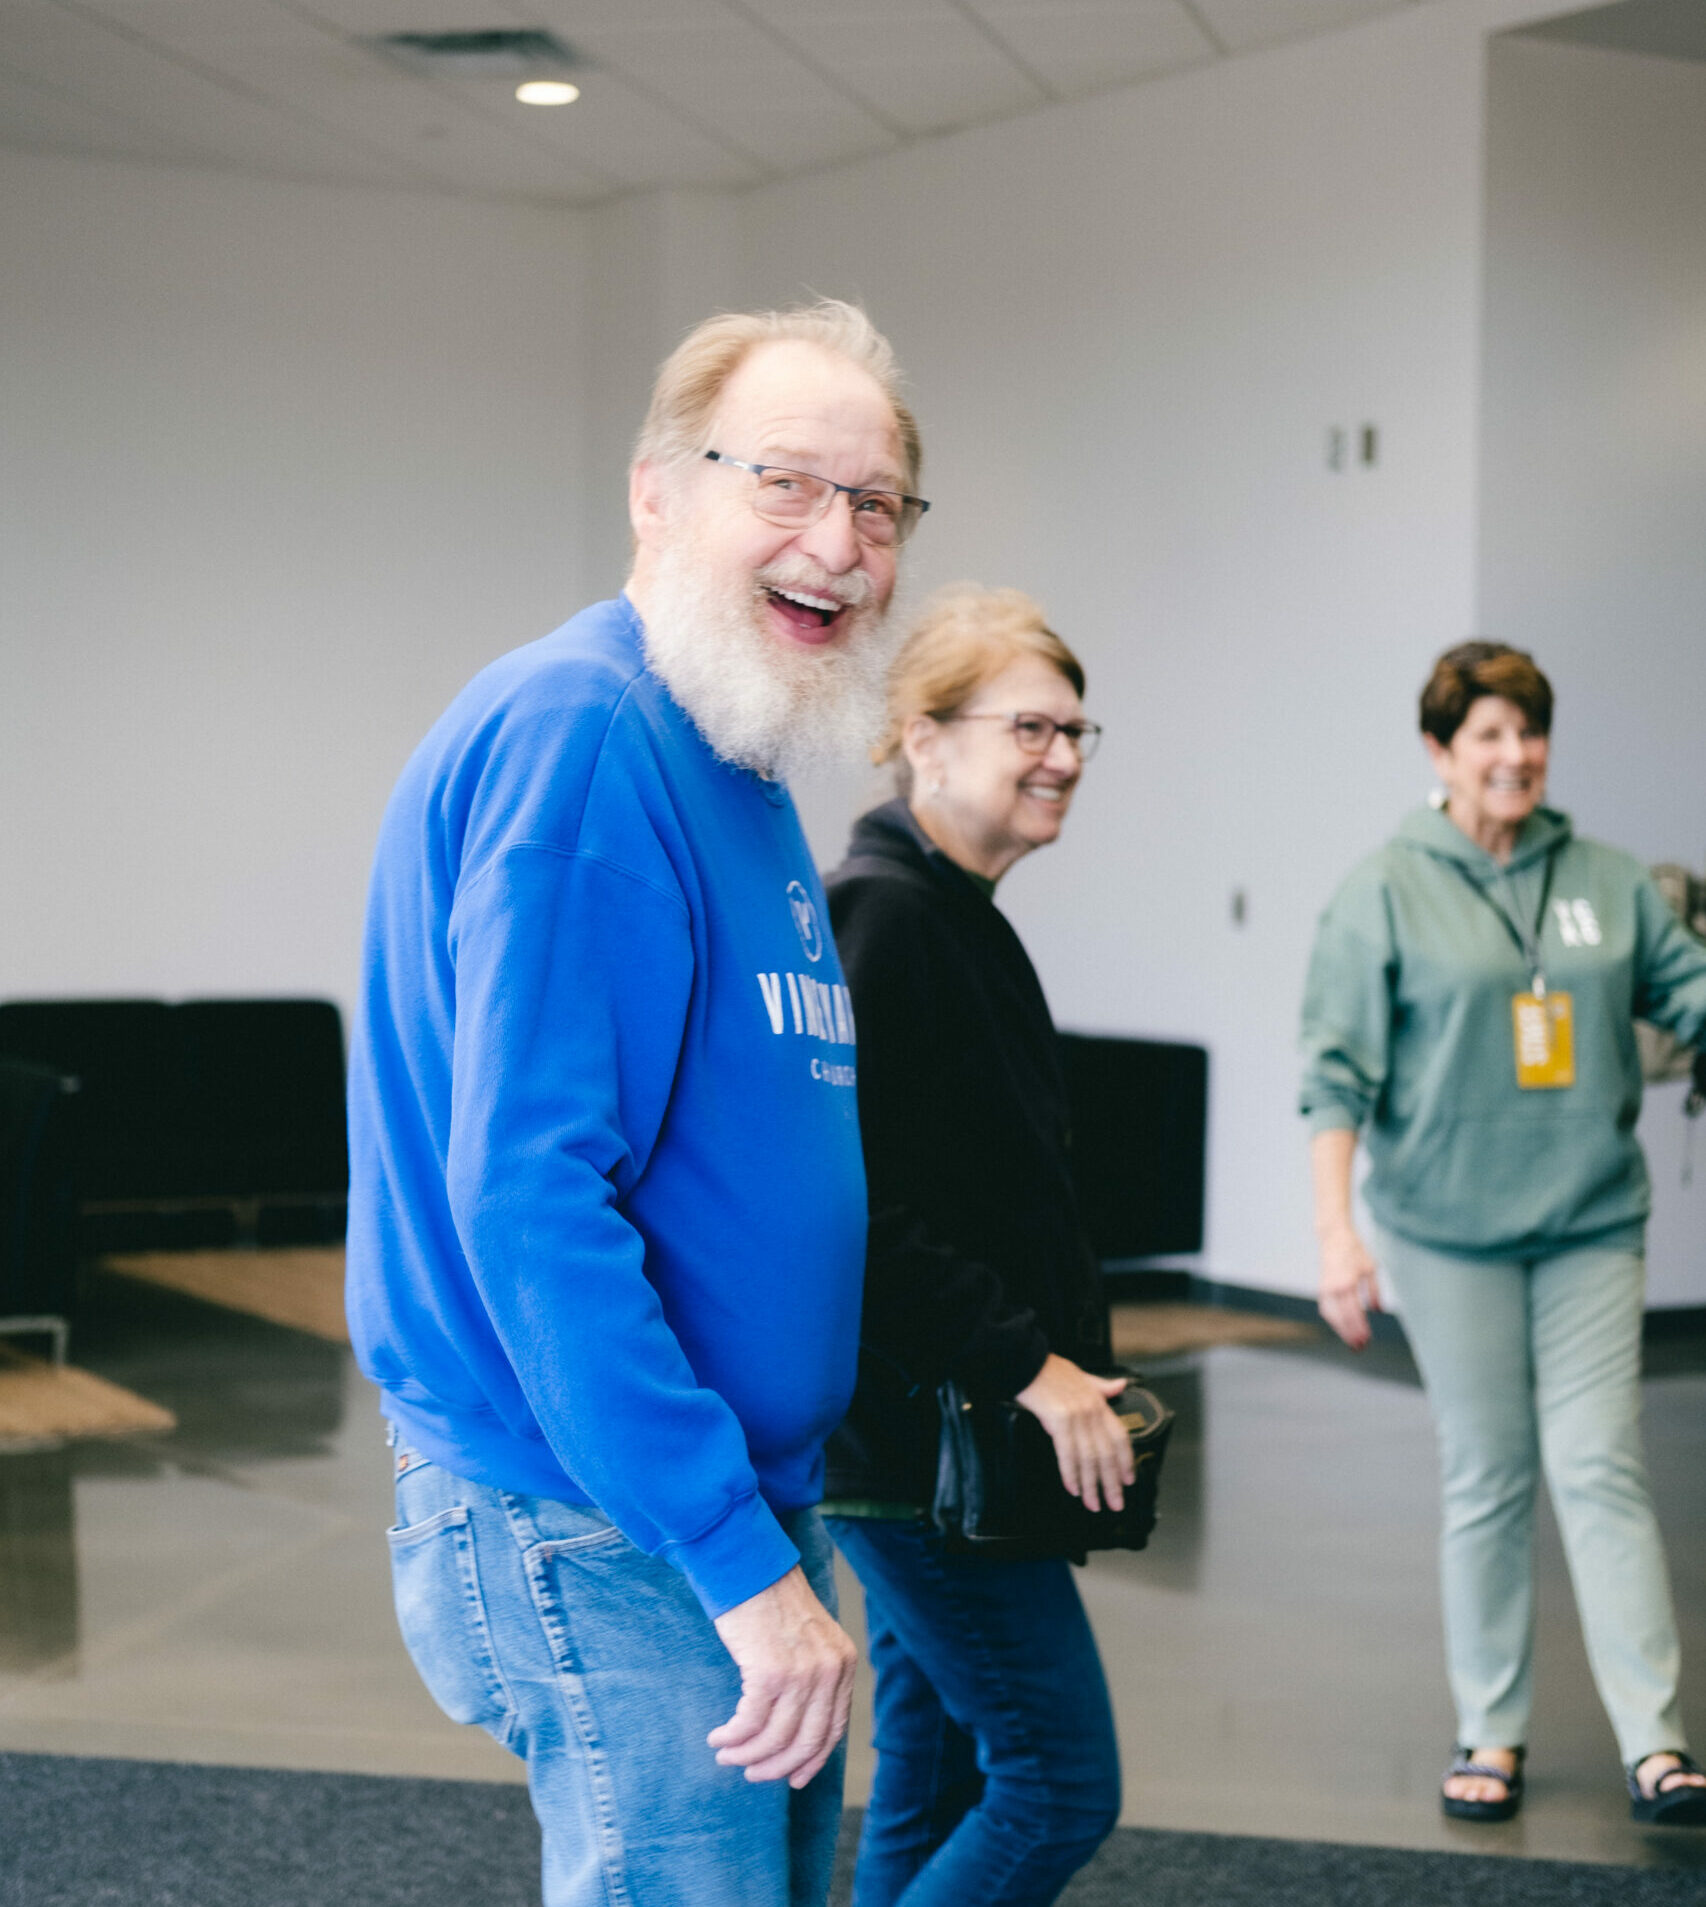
[(1350, 1288), (1090, 1443)]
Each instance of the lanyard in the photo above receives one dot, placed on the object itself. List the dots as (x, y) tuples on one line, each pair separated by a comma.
[(1527, 939)]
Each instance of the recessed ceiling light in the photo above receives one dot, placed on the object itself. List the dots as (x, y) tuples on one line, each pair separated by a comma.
[(547, 92)]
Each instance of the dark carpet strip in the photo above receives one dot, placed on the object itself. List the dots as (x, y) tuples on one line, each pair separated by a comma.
[(78, 1832), (1145, 1867)]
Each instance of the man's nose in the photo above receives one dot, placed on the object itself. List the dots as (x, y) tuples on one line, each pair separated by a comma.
[(832, 539)]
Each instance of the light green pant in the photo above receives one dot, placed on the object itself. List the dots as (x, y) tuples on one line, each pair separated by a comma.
[(1529, 1366)]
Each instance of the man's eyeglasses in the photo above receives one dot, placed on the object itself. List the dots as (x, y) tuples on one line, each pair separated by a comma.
[(1035, 733), (794, 500)]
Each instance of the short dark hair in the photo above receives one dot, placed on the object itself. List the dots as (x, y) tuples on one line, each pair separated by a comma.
[(1463, 675)]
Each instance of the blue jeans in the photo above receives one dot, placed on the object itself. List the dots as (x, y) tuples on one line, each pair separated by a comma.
[(541, 1622), (997, 1767), (1534, 1366)]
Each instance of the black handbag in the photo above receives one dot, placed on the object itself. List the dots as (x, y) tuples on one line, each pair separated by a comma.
[(998, 1487)]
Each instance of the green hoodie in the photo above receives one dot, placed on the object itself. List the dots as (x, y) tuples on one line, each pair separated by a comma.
[(1407, 1032)]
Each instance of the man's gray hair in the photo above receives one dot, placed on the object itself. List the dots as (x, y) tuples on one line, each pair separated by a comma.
[(692, 377)]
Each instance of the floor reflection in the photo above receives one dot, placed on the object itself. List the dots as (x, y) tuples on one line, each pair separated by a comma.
[(38, 1561), (241, 1388)]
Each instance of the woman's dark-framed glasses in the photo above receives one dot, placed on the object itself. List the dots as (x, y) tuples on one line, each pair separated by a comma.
[(1035, 733), (795, 499)]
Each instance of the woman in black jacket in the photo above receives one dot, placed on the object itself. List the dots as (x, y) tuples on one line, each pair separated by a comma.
[(997, 1770)]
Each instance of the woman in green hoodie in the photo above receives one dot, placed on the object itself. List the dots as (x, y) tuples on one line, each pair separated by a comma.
[(1470, 1013)]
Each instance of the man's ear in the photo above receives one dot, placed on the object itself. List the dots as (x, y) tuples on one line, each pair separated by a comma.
[(648, 503)]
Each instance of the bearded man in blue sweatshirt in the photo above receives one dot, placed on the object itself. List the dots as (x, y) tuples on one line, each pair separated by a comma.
[(607, 1206)]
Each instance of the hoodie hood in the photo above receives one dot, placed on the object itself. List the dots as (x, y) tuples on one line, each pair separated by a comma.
[(892, 833), (1434, 832)]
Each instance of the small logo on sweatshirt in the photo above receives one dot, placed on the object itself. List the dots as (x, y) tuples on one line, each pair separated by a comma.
[(804, 912), (1578, 925)]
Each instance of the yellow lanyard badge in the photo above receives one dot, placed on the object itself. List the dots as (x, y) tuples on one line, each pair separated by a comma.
[(1545, 1040), (1543, 1028)]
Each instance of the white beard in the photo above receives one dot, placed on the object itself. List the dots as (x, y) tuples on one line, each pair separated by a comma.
[(760, 702)]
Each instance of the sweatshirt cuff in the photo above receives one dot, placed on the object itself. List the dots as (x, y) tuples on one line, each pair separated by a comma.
[(1010, 1365), (736, 1558), (1332, 1118)]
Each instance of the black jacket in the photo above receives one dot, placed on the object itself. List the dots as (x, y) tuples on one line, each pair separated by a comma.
[(976, 1268)]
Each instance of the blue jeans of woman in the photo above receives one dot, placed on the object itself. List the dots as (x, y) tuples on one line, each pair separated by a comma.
[(997, 1766), (1533, 1366), (543, 1624)]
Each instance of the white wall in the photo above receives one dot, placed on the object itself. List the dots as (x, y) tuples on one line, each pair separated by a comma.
[(664, 261), (1129, 325), (1593, 514), (280, 467)]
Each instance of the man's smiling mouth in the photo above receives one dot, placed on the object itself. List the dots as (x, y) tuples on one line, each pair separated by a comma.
[(804, 609)]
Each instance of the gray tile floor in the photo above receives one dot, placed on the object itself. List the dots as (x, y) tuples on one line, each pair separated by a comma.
[(221, 1594)]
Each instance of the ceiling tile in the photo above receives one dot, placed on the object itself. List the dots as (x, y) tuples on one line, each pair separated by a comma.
[(1081, 46), (629, 138), (39, 119), (618, 138), (722, 75), (138, 14), (922, 65), (490, 164), (456, 137), (188, 111), (1240, 25), (470, 151)]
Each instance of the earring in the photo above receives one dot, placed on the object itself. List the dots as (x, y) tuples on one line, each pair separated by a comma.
[(937, 784)]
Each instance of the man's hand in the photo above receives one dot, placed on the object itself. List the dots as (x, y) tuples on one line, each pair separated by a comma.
[(1090, 1443), (1349, 1287), (796, 1683)]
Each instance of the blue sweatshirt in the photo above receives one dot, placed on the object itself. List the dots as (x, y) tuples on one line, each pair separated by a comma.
[(607, 1205)]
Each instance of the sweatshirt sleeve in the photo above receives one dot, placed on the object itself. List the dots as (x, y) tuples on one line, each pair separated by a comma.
[(929, 1309), (1670, 985), (573, 978), (1347, 1011)]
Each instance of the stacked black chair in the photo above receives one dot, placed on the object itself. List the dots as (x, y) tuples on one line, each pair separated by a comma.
[(262, 1112), (1139, 1143), (207, 1123), (38, 1200)]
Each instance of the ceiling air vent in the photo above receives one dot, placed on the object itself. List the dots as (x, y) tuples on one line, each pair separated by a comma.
[(512, 53)]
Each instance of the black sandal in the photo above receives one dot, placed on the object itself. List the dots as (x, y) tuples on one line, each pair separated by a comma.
[(1683, 1806), (1461, 1764)]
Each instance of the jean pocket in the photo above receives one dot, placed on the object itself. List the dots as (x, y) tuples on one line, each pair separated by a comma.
[(441, 1611), (608, 1537)]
